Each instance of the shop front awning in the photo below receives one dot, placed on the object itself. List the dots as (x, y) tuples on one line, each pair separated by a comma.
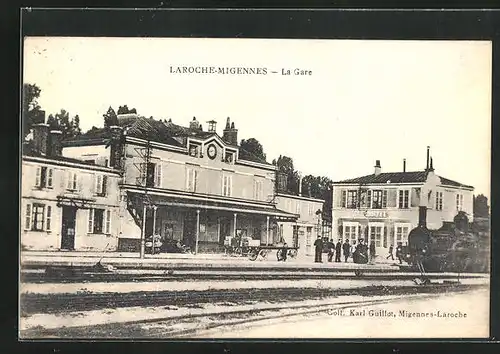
[(206, 203)]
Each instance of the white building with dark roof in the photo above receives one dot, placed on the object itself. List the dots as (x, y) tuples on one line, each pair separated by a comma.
[(384, 206), (195, 186)]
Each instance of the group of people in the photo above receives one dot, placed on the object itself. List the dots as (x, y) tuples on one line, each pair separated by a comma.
[(360, 253), (399, 252)]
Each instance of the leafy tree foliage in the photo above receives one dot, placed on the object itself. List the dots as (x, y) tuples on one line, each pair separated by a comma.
[(480, 206), (125, 110), (110, 118), (32, 112), (60, 121), (254, 147)]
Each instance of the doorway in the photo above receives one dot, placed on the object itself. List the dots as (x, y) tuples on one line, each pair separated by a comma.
[(68, 228)]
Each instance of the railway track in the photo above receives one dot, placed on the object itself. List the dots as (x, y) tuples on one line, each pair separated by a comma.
[(32, 303), (186, 275), (192, 325)]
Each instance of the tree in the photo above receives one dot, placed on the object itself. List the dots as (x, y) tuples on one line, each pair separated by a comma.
[(285, 168), (70, 128), (254, 147), (75, 122), (125, 110), (480, 206), (32, 113), (110, 118)]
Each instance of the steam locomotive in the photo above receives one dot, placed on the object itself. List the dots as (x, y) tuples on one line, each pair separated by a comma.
[(456, 247)]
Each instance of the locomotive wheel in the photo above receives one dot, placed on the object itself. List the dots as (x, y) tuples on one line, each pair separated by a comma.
[(253, 255), (279, 256)]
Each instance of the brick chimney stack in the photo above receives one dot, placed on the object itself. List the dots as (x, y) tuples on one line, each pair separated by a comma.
[(41, 138), (428, 155), (230, 133), (55, 146), (116, 146), (404, 165), (378, 168)]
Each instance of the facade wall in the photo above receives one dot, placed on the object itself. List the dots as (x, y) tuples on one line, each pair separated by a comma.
[(390, 221), (306, 227), (46, 234), (98, 153), (175, 167)]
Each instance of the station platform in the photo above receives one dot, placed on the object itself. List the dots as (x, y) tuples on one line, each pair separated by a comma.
[(41, 259)]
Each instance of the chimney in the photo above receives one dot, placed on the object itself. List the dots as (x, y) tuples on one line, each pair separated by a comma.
[(230, 133), (422, 216), (194, 124), (427, 164), (115, 154), (378, 169), (431, 167), (41, 138), (212, 126), (300, 185), (404, 165), (55, 146)]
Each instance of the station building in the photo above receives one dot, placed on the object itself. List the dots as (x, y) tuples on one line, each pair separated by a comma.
[(383, 207), (187, 184), (303, 232), (66, 203)]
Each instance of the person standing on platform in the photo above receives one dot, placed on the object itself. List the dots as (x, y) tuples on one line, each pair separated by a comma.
[(353, 249), (390, 255), (346, 248), (338, 250), (399, 252), (331, 250), (372, 251), (318, 244)]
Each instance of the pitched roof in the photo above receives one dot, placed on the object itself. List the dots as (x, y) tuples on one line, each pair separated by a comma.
[(399, 177), (154, 130)]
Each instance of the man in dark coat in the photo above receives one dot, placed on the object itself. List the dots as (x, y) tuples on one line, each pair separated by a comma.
[(346, 248), (399, 252), (318, 244), (331, 250), (372, 251), (338, 250)]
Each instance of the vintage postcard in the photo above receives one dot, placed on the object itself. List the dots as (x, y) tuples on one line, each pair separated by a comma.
[(255, 188)]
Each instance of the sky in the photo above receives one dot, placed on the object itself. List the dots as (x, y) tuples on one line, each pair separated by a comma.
[(366, 100)]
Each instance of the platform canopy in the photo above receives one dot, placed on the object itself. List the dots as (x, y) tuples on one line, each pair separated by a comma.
[(160, 199)]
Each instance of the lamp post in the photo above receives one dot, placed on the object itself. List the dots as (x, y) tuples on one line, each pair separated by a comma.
[(143, 232)]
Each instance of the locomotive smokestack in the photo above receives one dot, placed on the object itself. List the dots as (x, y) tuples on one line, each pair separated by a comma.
[(428, 155), (404, 165), (422, 216)]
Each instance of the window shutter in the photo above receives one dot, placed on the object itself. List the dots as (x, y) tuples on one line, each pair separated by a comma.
[(188, 178), (75, 181), (98, 184), (38, 176), (195, 178), (384, 199), (344, 199), (158, 171), (369, 198), (104, 185), (27, 222), (91, 221), (68, 180), (48, 218), (107, 221), (50, 174)]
